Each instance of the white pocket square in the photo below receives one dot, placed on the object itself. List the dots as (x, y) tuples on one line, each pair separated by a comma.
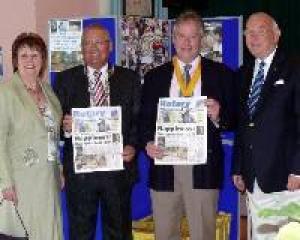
[(279, 82)]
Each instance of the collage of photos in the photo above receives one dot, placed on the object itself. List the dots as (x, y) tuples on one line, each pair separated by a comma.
[(145, 43)]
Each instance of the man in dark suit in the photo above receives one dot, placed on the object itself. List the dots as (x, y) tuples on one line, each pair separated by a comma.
[(267, 152), (121, 87), (189, 190)]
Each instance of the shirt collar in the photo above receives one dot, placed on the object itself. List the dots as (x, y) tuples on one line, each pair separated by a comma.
[(268, 60), (193, 63), (90, 70)]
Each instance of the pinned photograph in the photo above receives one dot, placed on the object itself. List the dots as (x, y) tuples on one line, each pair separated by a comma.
[(144, 8)]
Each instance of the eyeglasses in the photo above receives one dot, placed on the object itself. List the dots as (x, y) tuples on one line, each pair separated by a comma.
[(258, 32), (95, 43)]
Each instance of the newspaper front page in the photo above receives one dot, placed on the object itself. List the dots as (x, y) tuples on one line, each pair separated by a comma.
[(181, 131), (97, 139)]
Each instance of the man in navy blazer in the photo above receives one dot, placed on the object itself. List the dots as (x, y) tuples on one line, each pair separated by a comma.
[(267, 147), (187, 190), (112, 189)]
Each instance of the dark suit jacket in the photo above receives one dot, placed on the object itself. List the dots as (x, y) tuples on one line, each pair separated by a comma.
[(71, 88), (216, 83), (268, 147)]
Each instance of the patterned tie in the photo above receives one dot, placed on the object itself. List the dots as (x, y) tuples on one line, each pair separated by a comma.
[(256, 89), (99, 97), (187, 76)]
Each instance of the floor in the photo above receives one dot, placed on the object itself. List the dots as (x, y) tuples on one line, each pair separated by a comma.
[(243, 228)]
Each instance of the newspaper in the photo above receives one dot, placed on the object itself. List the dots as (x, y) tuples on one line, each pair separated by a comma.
[(97, 139), (181, 130)]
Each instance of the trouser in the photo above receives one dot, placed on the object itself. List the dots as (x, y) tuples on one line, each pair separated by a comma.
[(199, 206), (84, 192)]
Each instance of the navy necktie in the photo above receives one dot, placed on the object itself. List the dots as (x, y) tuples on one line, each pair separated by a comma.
[(256, 89)]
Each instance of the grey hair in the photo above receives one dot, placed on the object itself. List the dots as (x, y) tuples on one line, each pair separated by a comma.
[(186, 17)]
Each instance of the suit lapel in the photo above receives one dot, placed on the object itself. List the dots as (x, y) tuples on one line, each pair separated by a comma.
[(203, 80), (246, 77), (113, 87), (272, 76), (80, 88), (28, 102), (208, 87), (166, 84)]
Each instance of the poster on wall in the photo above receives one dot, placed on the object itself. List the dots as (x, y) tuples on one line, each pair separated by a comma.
[(65, 43), (138, 8), (1, 64), (145, 43), (211, 43)]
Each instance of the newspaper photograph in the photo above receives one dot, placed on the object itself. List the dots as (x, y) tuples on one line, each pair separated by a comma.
[(181, 131), (97, 139)]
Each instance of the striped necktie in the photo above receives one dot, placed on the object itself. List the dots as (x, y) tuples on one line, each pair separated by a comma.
[(187, 75), (256, 89), (99, 97)]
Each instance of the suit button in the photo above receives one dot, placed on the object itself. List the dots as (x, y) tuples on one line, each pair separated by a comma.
[(251, 124), (250, 146)]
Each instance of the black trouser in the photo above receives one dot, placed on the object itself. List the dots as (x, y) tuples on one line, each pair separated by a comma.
[(85, 191)]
